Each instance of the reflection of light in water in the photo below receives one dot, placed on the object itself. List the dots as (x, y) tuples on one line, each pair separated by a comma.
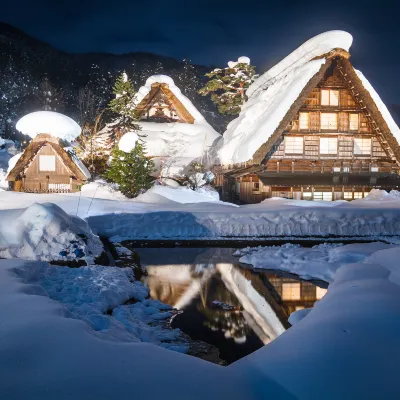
[(181, 284), (268, 326)]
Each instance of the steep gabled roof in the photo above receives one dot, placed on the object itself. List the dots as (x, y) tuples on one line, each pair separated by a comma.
[(185, 109), (32, 150), (151, 97), (275, 98)]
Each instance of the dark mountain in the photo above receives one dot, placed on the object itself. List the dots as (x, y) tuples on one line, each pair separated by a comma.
[(36, 76)]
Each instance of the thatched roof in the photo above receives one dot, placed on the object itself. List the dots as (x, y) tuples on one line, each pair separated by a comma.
[(356, 87), (275, 98), (32, 150), (157, 87)]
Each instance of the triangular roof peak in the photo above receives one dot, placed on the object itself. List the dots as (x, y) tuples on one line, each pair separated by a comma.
[(74, 165), (276, 97), (184, 108)]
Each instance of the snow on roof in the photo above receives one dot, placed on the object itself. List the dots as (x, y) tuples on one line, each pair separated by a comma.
[(315, 47), (49, 122), (145, 90), (273, 93), (381, 106)]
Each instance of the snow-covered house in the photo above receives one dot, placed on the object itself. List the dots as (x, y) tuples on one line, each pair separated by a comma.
[(313, 128), (45, 166), (174, 131)]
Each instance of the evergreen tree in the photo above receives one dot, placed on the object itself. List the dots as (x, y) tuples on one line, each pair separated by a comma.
[(123, 104), (131, 171), (227, 86)]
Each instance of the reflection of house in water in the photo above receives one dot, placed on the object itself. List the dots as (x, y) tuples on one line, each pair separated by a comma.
[(295, 295), (262, 302)]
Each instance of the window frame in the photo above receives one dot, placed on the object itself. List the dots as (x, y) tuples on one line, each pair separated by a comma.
[(287, 138), (358, 122), (44, 161), (330, 97), (328, 152), (308, 121), (335, 129), (362, 153)]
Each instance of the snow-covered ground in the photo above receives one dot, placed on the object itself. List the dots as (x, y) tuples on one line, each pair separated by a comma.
[(176, 213), (346, 347)]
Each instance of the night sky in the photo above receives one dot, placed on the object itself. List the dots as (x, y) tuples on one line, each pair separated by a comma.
[(214, 32)]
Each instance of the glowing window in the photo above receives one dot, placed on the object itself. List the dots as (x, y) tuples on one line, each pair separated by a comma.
[(293, 145), (354, 122), (358, 195), (304, 120), (320, 293), (329, 97), (328, 145), (329, 121), (362, 146), (291, 291), (47, 163)]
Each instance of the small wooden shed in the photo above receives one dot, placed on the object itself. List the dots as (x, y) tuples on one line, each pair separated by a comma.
[(45, 167)]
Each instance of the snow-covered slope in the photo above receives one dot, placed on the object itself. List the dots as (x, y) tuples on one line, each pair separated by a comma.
[(50, 122), (272, 94)]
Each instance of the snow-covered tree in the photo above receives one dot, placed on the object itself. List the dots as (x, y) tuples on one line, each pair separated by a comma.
[(131, 171), (197, 176), (50, 97), (123, 104), (227, 86), (89, 149)]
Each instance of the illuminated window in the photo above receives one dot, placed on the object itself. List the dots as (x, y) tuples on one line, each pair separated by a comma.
[(293, 145), (307, 195), (297, 308), (304, 120), (329, 121), (47, 163), (323, 196), (329, 97), (362, 146), (346, 169), (354, 122), (358, 195), (374, 169), (336, 169), (348, 195), (328, 145), (291, 291), (320, 293)]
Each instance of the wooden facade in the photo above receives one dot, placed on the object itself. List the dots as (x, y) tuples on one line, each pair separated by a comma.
[(161, 105), (45, 167), (332, 144)]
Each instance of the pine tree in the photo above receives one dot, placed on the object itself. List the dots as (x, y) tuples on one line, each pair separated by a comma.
[(131, 171), (227, 86), (123, 104)]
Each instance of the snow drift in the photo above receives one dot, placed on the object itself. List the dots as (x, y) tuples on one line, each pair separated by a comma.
[(46, 232)]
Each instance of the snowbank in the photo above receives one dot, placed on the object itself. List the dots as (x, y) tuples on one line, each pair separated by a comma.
[(64, 358), (318, 262), (338, 347), (46, 232), (49, 122), (337, 350), (100, 189), (158, 194)]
